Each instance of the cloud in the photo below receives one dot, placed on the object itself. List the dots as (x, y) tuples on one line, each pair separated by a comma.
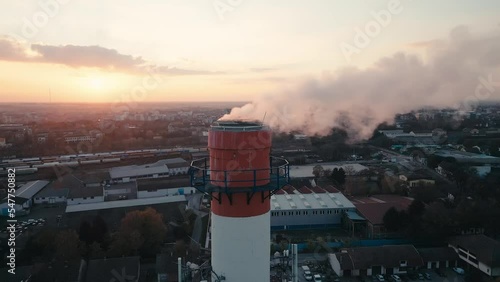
[(85, 56), (11, 50), (357, 100)]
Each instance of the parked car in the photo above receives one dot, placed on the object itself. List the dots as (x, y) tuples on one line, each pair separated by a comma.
[(380, 277), (317, 278), (395, 278), (420, 276), (308, 276), (459, 270)]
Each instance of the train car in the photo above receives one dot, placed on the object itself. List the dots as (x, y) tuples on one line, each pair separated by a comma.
[(85, 155), (70, 164), (48, 164), (31, 159), (90, 162), (111, 160), (21, 166), (26, 171), (12, 161)]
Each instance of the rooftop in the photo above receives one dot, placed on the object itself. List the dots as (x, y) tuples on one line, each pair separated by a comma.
[(374, 208), (138, 170), (467, 156), (486, 249), (295, 200), (388, 256), (28, 190), (85, 192), (438, 254), (125, 203), (163, 183), (61, 186)]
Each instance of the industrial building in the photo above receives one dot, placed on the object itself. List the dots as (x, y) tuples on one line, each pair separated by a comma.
[(369, 261), (159, 169), (113, 211), (172, 186), (24, 198), (308, 208)]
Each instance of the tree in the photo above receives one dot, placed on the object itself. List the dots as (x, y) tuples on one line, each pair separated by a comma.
[(68, 245), (394, 220), (85, 232), (338, 176), (438, 223), (95, 251), (140, 232), (99, 229), (318, 171), (416, 209)]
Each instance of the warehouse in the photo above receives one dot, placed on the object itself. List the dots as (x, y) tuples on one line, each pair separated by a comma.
[(307, 208), (24, 197)]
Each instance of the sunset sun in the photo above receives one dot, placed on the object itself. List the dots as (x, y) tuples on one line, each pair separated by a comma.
[(96, 84)]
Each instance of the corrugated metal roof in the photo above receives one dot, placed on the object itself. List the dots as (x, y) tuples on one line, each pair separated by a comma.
[(311, 201), (28, 190), (125, 203)]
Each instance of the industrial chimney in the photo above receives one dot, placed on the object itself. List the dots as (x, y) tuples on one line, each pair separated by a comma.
[(240, 176)]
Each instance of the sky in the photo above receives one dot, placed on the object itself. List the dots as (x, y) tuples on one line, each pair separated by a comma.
[(211, 50)]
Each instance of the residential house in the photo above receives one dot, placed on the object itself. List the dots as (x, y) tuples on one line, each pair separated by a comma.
[(440, 257), (368, 261), (478, 251)]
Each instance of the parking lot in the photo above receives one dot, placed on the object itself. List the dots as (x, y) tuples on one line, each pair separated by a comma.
[(313, 261), (451, 276)]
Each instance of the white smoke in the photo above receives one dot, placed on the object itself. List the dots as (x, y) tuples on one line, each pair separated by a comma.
[(359, 100)]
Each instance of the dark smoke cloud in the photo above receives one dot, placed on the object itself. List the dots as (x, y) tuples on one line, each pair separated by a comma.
[(358, 100)]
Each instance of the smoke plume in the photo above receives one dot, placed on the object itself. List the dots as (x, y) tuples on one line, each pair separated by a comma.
[(458, 73)]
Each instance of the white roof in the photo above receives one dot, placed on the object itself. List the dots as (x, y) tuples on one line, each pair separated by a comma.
[(310, 201), (28, 190), (125, 203), (137, 170)]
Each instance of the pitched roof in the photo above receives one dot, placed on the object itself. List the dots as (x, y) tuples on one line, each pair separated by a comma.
[(113, 269), (83, 192), (486, 249), (438, 254), (163, 183), (374, 208), (137, 170), (374, 212), (387, 256), (28, 190), (61, 186), (345, 261)]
